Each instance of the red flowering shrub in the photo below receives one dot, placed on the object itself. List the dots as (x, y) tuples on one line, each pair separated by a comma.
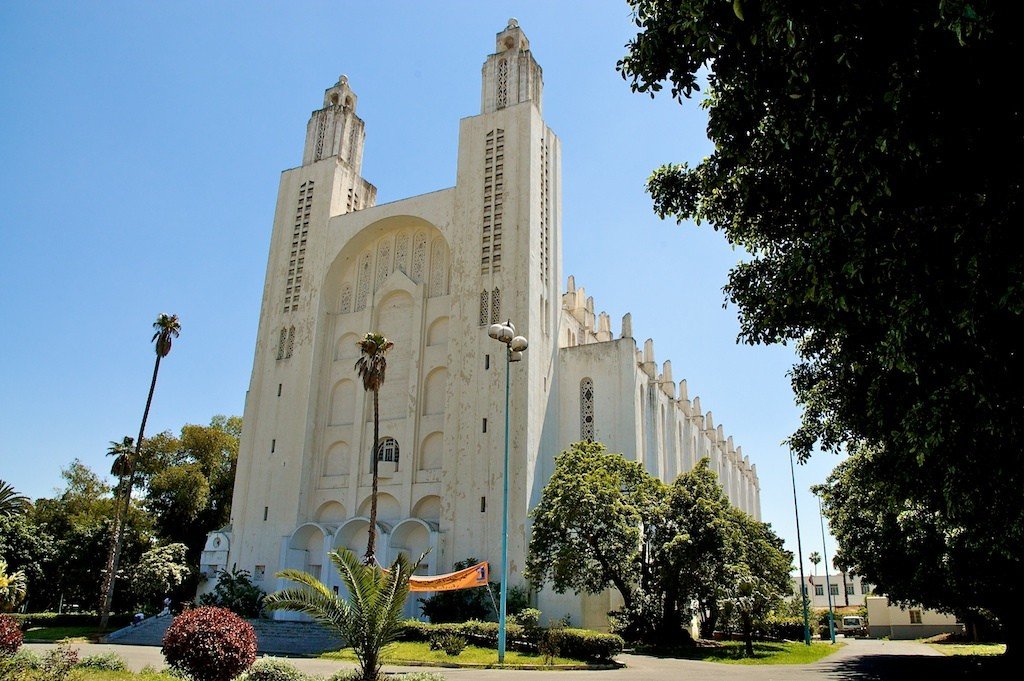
[(10, 635), (210, 644)]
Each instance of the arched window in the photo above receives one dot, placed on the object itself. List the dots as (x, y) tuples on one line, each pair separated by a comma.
[(387, 450), (587, 410)]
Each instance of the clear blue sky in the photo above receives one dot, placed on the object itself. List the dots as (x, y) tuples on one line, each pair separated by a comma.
[(140, 148)]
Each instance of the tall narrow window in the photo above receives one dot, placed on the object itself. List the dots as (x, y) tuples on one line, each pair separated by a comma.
[(291, 342), (300, 232), (483, 308), (282, 343), (587, 410), (495, 305)]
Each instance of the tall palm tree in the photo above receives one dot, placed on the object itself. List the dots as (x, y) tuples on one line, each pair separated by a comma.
[(167, 329), (11, 503), (815, 558), (371, 366), (13, 587), (124, 462), (369, 620)]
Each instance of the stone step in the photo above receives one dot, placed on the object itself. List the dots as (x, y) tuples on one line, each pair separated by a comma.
[(272, 636)]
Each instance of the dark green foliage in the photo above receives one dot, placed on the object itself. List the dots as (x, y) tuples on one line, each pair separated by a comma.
[(460, 605), (236, 592), (581, 644), (789, 628), (66, 619), (10, 635), (370, 617), (604, 521), (451, 644), (213, 644), (866, 158), (272, 669)]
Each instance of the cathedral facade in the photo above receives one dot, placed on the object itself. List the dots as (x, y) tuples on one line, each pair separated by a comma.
[(431, 273)]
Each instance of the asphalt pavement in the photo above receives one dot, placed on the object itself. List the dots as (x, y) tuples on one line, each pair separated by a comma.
[(859, 659)]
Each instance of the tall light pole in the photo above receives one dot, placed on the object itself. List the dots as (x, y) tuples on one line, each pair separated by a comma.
[(828, 586), (800, 555), (514, 348)]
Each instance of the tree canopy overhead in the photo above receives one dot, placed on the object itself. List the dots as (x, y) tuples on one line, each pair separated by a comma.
[(867, 159)]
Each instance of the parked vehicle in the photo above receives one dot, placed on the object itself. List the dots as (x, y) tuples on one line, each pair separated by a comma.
[(852, 625)]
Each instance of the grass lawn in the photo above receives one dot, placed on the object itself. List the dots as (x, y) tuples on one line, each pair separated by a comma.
[(50, 634), (419, 651), (985, 649), (731, 652)]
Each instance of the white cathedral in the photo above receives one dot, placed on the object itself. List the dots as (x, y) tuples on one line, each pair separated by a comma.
[(431, 273)]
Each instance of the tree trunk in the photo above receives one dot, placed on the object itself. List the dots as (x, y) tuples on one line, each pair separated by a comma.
[(748, 635), (846, 593), (121, 519), (372, 534), (707, 627)]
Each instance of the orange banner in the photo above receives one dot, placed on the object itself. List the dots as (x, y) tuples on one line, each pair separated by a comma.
[(469, 578)]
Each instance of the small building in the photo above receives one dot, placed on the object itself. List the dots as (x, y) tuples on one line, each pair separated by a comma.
[(891, 621), (845, 588)]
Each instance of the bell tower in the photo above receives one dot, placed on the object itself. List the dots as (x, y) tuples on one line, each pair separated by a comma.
[(511, 75), (335, 130)]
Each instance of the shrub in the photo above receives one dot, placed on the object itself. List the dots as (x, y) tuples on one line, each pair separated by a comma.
[(18, 667), (451, 644), (236, 592), (10, 635), (108, 662), (583, 644), (273, 669), (420, 676), (784, 628), (346, 675), (58, 663), (212, 644)]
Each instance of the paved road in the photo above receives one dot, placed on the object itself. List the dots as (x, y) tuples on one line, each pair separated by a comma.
[(859, 659)]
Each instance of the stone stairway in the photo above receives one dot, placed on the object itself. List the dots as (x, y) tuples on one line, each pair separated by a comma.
[(272, 636)]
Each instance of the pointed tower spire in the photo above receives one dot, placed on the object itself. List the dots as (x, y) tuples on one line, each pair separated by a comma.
[(335, 130), (511, 75)]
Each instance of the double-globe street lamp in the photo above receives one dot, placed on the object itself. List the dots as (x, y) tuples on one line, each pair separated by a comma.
[(514, 348)]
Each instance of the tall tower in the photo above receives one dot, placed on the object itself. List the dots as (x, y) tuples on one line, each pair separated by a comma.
[(269, 493), (506, 266)]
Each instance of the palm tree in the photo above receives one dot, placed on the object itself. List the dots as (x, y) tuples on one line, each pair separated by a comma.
[(372, 616), (11, 503), (123, 463), (371, 366), (167, 329), (13, 587), (815, 558)]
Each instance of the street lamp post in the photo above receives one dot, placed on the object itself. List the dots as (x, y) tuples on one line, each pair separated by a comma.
[(800, 554), (514, 348), (828, 585)]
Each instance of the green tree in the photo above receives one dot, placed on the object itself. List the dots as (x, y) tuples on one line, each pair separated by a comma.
[(369, 620), (167, 329), (694, 547), (13, 587), (12, 503), (371, 367), (28, 548), (76, 524), (160, 570), (760, 574), (880, 215), (591, 529)]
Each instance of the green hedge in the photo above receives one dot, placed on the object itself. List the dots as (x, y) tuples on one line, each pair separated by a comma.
[(580, 644), (68, 619)]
